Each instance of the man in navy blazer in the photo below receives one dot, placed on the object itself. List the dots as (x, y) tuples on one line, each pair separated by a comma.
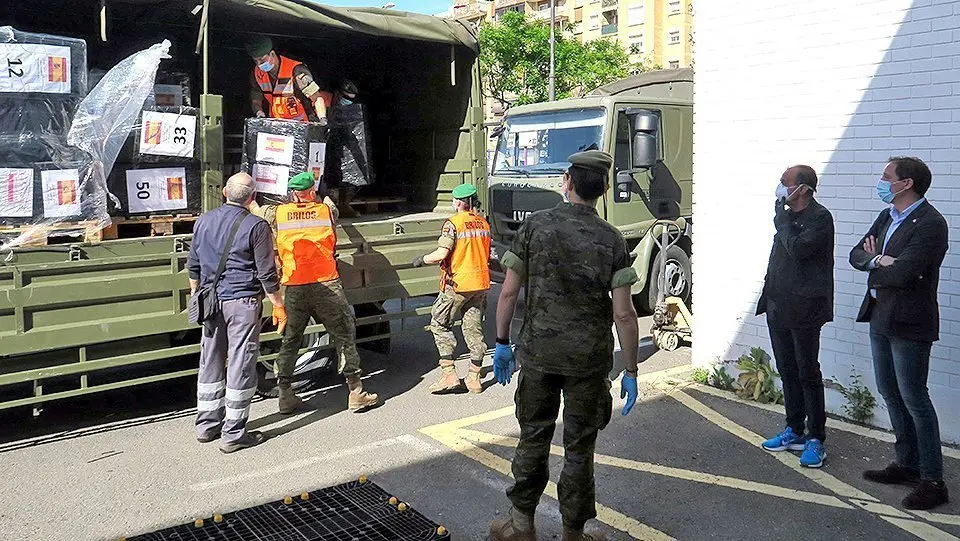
[(903, 251)]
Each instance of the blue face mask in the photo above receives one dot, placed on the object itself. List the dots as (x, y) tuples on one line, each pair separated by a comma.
[(885, 191), (346, 101), (266, 66)]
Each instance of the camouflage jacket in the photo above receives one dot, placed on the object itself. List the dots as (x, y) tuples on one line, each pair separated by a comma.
[(570, 260)]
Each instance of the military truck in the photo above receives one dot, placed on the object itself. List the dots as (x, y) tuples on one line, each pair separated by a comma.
[(646, 123), (83, 317)]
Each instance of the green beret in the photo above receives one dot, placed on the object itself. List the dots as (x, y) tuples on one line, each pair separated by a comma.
[(464, 191), (259, 46), (301, 181), (592, 159)]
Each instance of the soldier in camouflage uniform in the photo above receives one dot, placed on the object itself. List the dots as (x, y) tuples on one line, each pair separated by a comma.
[(569, 261), (306, 244), (464, 256)]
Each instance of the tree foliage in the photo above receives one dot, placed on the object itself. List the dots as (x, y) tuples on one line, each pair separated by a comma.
[(515, 61)]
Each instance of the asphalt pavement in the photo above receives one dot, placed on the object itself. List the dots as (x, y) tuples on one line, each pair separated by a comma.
[(684, 465)]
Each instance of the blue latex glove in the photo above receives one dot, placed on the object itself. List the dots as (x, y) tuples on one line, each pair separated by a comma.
[(628, 390), (504, 363)]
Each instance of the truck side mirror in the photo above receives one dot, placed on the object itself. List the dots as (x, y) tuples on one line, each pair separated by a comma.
[(645, 152)]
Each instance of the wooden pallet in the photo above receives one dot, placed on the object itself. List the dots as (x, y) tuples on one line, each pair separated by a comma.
[(150, 226), (62, 233)]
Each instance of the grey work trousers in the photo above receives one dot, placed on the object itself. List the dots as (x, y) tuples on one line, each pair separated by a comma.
[(227, 380)]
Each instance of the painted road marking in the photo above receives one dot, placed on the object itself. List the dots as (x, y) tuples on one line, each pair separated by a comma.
[(296, 465), (459, 437), (831, 423), (608, 516), (676, 473), (869, 504)]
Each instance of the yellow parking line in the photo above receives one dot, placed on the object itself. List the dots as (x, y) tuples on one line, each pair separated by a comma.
[(677, 473), (941, 518), (922, 530), (869, 503), (608, 516), (820, 477), (835, 424)]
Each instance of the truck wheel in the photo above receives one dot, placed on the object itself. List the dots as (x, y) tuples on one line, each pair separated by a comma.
[(308, 368), (679, 278)]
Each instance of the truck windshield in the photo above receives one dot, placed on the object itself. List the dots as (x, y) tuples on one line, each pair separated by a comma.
[(539, 143)]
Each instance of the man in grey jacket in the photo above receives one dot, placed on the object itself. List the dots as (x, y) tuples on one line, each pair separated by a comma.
[(224, 390)]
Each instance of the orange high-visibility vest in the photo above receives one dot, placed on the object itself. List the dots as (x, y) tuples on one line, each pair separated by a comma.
[(306, 243), (283, 101), (467, 269)]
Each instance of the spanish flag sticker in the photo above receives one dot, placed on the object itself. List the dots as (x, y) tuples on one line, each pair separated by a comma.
[(153, 132), (175, 188), (56, 69), (67, 192), (276, 144)]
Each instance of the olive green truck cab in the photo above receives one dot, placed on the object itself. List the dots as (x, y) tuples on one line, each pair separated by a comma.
[(83, 317), (646, 123)]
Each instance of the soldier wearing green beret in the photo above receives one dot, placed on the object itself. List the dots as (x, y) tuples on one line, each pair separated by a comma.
[(306, 241), (576, 272), (463, 253)]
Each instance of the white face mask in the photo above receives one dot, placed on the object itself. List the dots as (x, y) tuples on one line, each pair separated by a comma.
[(454, 207), (782, 192)]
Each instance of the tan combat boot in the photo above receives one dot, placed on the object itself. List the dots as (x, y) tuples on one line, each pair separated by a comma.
[(473, 380), (360, 399), (516, 527), (289, 401), (449, 381)]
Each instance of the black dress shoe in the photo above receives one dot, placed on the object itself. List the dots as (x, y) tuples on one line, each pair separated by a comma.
[(894, 474), (927, 495), (250, 439)]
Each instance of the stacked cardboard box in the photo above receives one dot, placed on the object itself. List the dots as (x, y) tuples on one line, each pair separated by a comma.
[(158, 170), (349, 148), (42, 179), (275, 150)]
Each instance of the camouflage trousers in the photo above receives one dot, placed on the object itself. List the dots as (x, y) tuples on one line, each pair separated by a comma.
[(328, 305), (471, 307), (587, 408)]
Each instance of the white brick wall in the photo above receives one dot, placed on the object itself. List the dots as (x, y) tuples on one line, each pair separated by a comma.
[(841, 86)]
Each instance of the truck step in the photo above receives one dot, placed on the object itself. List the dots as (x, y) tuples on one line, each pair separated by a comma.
[(355, 510)]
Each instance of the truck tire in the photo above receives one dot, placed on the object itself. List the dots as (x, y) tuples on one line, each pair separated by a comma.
[(375, 329), (679, 278), (308, 369)]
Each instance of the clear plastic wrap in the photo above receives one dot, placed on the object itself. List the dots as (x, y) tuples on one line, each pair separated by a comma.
[(71, 178), (349, 148), (274, 150)]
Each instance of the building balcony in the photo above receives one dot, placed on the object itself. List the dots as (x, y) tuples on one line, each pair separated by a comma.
[(497, 4), (608, 29), (545, 15), (470, 11)]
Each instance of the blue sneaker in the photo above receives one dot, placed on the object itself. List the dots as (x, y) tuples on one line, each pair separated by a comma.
[(786, 440), (813, 454)]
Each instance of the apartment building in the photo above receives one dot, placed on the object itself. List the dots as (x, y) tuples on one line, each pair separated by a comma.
[(658, 32)]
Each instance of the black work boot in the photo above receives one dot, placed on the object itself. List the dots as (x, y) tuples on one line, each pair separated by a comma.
[(894, 474), (250, 439), (927, 495)]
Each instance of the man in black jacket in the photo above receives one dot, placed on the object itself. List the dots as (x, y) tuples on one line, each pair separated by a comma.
[(903, 251), (798, 300)]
